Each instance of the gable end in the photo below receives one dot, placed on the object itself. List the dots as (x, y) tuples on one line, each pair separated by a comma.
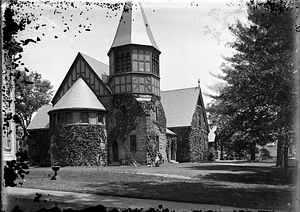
[(81, 68)]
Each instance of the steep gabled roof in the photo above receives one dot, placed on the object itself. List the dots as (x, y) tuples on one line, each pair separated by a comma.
[(133, 27), (180, 105), (79, 96), (87, 66), (41, 119), (98, 67)]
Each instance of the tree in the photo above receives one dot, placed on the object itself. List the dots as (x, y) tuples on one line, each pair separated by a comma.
[(259, 97), (32, 92)]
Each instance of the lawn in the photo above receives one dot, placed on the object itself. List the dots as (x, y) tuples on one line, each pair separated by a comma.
[(239, 184)]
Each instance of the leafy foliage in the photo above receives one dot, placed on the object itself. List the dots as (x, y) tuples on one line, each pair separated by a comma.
[(256, 104), (78, 145), (12, 171), (32, 92), (39, 147)]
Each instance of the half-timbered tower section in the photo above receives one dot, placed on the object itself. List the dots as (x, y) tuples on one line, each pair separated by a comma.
[(138, 132)]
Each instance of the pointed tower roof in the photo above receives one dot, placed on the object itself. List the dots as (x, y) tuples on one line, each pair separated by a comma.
[(79, 96), (134, 27)]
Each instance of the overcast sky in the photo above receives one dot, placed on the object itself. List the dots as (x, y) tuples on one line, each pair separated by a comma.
[(192, 36)]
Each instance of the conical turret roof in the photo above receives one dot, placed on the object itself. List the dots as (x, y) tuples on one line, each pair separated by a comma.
[(133, 27), (79, 96)]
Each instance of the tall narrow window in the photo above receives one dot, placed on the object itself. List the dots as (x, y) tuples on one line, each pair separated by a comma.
[(118, 63), (61, 118), (133, 143), (128, 66), (123, 61), (157, 143), (155, 65), (85, 117), (53, 120)]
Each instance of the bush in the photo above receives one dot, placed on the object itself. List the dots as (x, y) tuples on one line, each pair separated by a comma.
[(265, 154), (211, 156)]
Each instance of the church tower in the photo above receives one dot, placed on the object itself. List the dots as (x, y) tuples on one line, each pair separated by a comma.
[(134, 54), (137, 129)]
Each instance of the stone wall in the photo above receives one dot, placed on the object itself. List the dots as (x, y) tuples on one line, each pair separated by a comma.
[(78, 145), (192, 142), (143, 117), (198, 137), (39, 147)]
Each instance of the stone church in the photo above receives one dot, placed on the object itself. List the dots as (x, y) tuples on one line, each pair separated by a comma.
[(116, 114)]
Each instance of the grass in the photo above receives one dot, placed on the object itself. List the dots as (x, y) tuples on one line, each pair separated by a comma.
[(246, 185)]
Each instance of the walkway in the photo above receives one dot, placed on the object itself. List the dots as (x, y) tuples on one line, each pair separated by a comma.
[(24, 198)]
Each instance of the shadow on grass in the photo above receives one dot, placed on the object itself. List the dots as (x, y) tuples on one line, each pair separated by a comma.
[(271, 177), (246, 174), (263, 197)]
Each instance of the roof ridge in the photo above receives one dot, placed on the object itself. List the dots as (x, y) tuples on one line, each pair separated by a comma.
[(82, 54), (196, 87)]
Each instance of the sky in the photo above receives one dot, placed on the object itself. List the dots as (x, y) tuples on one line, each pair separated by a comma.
[(193, 37)]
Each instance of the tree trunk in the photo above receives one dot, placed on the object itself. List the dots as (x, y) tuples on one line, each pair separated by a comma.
[(285, 161), (252, 152), (221, 148), (279, 159)]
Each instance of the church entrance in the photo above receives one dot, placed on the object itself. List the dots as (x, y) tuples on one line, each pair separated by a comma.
[(173, 153), (115, 149)]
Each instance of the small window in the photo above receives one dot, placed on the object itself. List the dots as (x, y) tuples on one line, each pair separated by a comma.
[(133, 143), (100, 118), (68, 117), (84, 117)]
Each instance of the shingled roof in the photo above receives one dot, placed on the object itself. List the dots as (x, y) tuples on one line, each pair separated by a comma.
[(180, 105), (98, 67), (133, 27), (41, 119), (79, 96)]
